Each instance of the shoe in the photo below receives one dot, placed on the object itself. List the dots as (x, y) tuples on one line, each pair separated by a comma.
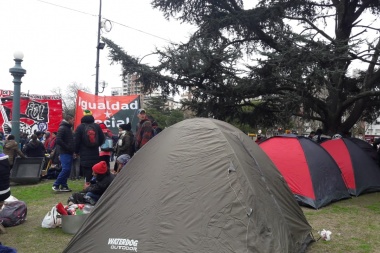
[(89, 200), (56, 188), (65, 189)]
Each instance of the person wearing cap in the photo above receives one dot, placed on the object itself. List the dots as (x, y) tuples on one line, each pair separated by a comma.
[(145, 130), (89, 156), (102, 178), (121, 161), (124, 144)]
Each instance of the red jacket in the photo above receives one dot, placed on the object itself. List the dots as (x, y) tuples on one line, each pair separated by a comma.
[(144, 133), (50, 143)]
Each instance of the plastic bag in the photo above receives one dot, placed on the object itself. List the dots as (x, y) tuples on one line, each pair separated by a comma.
[(107, 145), (325, 234), (10, 199), (52, 219)]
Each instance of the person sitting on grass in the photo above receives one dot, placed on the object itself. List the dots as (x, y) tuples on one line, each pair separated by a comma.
[(121, 161), (35, 148), (102, 178), (11, 149)]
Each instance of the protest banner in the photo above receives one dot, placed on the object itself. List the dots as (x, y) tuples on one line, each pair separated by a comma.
[(111, 110), (37, 112)]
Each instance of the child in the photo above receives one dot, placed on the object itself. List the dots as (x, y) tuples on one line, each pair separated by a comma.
[(102, 178)]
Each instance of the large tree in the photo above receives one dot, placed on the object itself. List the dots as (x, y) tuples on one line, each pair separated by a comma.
[(69, 96), (265, 64)]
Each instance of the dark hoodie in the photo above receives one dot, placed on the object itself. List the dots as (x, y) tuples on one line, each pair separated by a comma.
[(34, 149), (65, 139), (5, 172), (101, 184), (88, 155)]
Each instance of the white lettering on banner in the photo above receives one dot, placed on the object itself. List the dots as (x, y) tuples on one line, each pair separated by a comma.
[(112, 122), (123, 244), (107, 105), (31, 96)]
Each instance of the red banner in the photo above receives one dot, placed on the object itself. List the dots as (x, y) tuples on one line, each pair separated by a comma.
[(37, 112), (111, 110)]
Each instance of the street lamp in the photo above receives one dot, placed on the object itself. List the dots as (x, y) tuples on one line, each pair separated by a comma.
[(104, 85), (17, 72)]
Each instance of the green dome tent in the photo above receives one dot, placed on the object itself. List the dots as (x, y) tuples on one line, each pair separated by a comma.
[(201, 185)]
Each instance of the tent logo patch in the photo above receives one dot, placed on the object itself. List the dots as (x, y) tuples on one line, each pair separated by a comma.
[(123, 244)]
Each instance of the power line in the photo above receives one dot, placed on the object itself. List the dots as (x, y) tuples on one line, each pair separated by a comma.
[(141, 31), (86, 13), (67, 8)]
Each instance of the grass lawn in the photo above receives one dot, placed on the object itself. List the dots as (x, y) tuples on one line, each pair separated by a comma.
[(354, 223), (30, 236)]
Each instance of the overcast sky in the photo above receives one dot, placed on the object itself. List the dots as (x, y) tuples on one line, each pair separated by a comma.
[(59, 38)]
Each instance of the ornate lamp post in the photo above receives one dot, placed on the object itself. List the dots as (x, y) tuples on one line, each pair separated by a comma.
[(17, 72)]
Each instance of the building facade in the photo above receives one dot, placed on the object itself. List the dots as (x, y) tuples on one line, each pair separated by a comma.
[(132, 87)]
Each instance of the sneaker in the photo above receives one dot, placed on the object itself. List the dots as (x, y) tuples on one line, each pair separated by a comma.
[(56, 188), (89, 200), (65, 189)]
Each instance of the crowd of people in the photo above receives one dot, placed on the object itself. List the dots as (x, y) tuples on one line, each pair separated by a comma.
[(80, 153)]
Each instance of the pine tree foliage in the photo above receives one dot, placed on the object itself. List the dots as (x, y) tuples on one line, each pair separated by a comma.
[(318, 60)]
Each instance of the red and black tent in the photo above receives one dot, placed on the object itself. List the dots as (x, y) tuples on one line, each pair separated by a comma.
[(311, 173), (359, 170)]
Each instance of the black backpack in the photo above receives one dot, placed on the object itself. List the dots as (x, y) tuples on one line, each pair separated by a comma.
[(13, 213), (91, 138)]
